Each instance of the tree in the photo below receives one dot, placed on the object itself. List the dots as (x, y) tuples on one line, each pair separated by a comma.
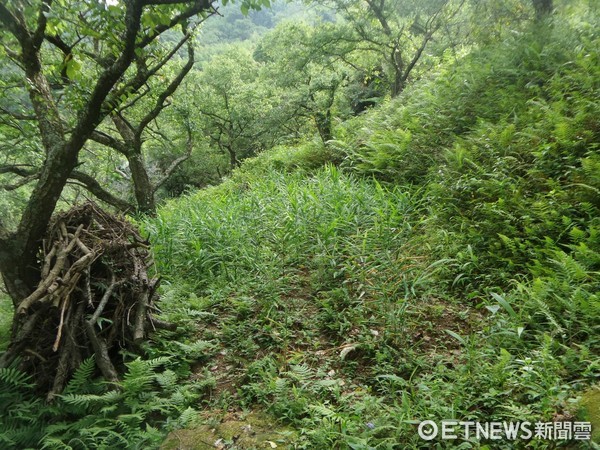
[(235, 105), (133, 116), (397, 32), (129, 135), (37, 40), (72, 65), (301, 60), (542, 8)]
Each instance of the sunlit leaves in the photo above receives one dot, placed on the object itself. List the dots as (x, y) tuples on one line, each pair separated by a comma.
[(72, 68)]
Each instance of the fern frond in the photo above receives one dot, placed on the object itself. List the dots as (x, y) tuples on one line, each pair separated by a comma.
[(547, 313), (14, 377), (82, 400), (187, 417), (281, 387), (300, 373), (81, 377), (51, 443)]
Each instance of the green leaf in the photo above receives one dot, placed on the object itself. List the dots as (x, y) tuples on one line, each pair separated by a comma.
[(456, 336), (511, 312), (492, 308), (73, 68)]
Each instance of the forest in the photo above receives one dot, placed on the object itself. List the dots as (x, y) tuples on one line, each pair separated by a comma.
[(299, 224)]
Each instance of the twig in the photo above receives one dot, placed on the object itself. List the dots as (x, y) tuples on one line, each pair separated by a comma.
[(60, 325)]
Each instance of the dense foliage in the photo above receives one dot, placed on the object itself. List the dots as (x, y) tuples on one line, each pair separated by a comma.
[(375, 256)]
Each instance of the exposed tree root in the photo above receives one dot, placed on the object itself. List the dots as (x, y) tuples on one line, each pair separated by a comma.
[(94, 298)]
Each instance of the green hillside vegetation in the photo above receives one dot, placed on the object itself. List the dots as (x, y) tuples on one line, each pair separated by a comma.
[(449, 269), (438, 258)]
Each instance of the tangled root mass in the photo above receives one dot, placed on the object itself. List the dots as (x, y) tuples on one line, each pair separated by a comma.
[(95, 297)]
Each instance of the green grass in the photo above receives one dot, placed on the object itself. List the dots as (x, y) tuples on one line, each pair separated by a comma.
[(312, 290), (448, 270), (323, 309), (6, 314)]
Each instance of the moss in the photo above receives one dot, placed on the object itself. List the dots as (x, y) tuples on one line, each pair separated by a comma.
[(590, 410), (6, 313), (255, 430)]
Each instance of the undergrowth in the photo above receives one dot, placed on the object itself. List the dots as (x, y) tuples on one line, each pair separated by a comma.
[(446, 267), (448, 271), (91, 415)]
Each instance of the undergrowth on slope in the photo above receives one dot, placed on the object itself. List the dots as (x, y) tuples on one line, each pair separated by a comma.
[(446, 268), (454, 275)]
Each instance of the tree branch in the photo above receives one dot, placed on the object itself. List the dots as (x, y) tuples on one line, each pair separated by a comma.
[(142, 76), (109, 141), (197, 7), (17, 116), (177, 162), (16, 27), (126, 131), (57, 41), (38, 36), (30, 174), (18, 169), (97, 190), (96, 108), (22, 182), (169, 90), (378, 12)]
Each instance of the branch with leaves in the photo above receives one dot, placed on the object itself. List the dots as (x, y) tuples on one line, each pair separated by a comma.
[(73, 66)]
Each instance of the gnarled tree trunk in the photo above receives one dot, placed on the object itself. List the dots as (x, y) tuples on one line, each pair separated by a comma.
[(79, 287)]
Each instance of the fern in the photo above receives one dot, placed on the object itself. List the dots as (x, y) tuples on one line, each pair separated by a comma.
[(119, 418), (55, 444), (187, 417), (140, 374), (21, 412), (323, 411), (281, 387), (197, 349), (81, 377), (301, 373), (544, 309), (569, 268), (82, 401), (14, 378)]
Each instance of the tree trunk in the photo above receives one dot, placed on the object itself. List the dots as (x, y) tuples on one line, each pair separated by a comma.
[(143, 189), (398, 83), (16, 282), (323, 122), (233, 160)]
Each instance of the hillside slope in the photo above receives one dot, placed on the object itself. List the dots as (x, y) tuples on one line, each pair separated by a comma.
[(438, 260), (447, 270)]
